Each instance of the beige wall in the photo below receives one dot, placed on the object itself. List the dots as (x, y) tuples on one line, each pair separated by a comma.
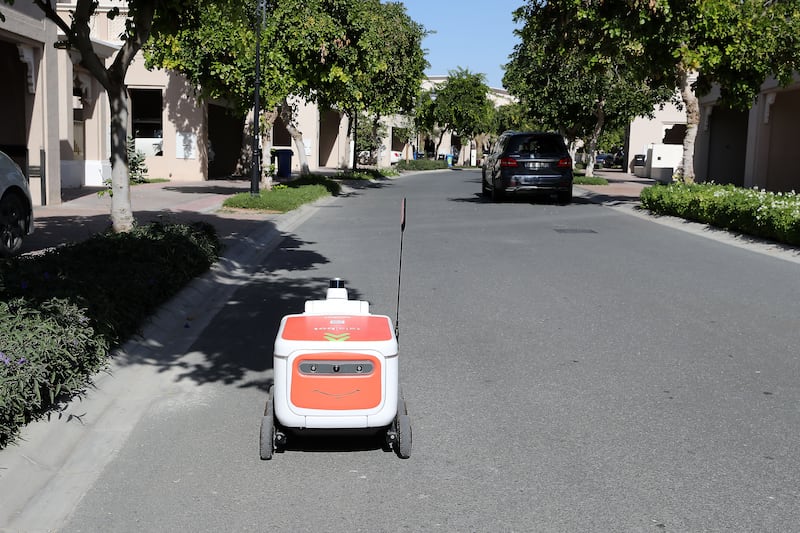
[(784, 122), (721, 145), (772, 138), (184, 122), (33, 36), (645, 132)]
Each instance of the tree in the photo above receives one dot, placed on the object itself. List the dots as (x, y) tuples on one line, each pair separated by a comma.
[(215, 51), (514, 116), (375, 64), (140, 16), (567, 84), (734, 44), (461, 105), (344, 54)]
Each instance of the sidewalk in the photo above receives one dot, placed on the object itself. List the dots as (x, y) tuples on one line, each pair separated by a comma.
[(622, 188), (83, 213)]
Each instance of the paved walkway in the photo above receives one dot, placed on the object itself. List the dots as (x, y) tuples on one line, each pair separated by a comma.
[(622, 188), (84, 212)]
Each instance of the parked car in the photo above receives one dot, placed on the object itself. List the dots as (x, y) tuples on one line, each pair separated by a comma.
[(604, 160), (526, 163), (16, 208)]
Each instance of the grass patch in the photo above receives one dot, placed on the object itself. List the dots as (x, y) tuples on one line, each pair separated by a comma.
[(586, 180), (367, 174), (286, 197)]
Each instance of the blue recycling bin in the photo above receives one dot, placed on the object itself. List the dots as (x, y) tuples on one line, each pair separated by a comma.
[(449, 159), (284, 157)]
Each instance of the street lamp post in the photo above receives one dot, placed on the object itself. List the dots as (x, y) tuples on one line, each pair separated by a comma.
[(256, 173)]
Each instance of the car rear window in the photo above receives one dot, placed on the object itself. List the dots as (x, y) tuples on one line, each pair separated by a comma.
[(537, 145)]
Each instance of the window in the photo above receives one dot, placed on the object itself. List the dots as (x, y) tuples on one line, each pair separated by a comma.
[(147, 121)]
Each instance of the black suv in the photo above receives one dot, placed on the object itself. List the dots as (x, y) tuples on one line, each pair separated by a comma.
[(528, 162)]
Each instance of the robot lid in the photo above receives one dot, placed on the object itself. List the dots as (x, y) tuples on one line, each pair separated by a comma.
[(336, 332)]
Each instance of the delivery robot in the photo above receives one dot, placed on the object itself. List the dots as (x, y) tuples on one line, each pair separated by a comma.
[(336, 369)]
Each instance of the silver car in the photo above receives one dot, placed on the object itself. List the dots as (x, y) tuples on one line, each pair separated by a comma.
[(16, 207)]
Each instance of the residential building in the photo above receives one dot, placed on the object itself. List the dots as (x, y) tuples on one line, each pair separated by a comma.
[(31, 98), (753, 148)]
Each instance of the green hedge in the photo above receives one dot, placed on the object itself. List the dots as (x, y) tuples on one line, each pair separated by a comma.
[(64, 310), (755, 212), (421, 164)]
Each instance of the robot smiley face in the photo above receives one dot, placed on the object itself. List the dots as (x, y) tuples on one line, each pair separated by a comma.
[(336, 381)]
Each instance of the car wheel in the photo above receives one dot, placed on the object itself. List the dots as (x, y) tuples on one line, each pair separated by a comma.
[(565, 197), (497, 194), (484, 187), (12, 224)]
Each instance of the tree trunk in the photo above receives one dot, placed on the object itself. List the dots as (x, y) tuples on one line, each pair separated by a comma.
[(266, 140), (376, 141), (287, 115), (691, 104), (600, 113), (572, 148), (121, 212), (438, 144)]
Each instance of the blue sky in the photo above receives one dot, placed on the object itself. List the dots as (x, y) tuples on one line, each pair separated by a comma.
[(473, 34)]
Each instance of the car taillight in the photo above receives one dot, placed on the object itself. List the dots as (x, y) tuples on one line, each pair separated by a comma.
[(508, 162), (565, 162)]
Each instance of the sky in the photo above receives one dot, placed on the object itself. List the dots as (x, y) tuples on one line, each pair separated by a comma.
[(473, 34)]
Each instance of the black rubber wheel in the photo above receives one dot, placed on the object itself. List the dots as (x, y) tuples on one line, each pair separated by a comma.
[(267, 437), (565, 197), (403, 436), (402, 424), (484, 189), (12, 224)]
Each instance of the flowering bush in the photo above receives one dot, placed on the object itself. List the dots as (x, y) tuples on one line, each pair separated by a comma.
[(772, 215)]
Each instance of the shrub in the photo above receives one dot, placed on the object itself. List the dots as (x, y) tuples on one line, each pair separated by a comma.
[(63, 310), (137, 169), (46, 351), (367, 174), (421, 164), (755, 212)]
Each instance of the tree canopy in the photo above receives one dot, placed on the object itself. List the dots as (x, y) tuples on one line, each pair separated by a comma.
[(567, 84), (689, 45), (460, 105), (351, 55)]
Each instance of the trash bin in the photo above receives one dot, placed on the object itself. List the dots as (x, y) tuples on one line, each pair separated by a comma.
[(449, 159), (284, 157)]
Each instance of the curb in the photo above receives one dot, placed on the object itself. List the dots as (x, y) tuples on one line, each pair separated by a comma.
[(754, 244)]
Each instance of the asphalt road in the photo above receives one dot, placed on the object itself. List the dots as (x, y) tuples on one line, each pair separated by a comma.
[(567, 368)]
